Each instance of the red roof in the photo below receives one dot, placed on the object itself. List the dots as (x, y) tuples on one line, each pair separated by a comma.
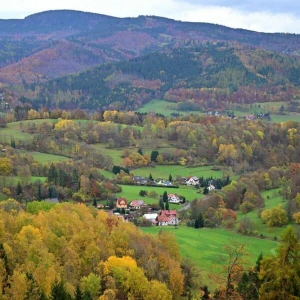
[(166, 215), (169, 213), (162, 219), (121, 201), (136, 203)]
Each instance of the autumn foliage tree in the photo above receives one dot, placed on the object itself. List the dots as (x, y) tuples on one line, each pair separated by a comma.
[(276, 216), (280, 274), (72, 249)]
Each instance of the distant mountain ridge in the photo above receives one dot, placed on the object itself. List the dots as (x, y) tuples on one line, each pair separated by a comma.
[(47, 45), (108, 39)]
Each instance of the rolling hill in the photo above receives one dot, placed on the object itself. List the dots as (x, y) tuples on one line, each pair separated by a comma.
[(86, 60), (207, 75)]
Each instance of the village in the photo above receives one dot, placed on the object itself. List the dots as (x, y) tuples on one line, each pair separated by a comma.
[(143, 214)]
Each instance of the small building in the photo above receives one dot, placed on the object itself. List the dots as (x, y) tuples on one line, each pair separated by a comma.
[(192, 180), (211, 187), (121, 203), (167, 217), (250, 117), (173, 198), (137, 204), (150, 217)]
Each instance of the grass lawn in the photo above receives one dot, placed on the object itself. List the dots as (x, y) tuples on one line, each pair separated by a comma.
[(13, 180), (270, 232), (107, 174), (162, 171), (285, 118), (160, 106), (114, 153), (131, 192), (166, 108), (204, 246), (12, 131), (46, 158)]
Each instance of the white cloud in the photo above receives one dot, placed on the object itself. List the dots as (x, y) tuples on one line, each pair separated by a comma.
[(257, 21), (232, 13)]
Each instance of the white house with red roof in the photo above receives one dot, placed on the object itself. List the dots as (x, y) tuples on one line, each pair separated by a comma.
[(167, 217), (137, 204)]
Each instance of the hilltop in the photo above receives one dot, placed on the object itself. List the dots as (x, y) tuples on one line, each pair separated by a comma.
[(122, 60)]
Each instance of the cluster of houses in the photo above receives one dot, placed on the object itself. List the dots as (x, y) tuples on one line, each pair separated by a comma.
[(190, 181), (261, 115), (138, 208), (196, 181), (214, 113), (146, 181), (161, 218), (138, 204)]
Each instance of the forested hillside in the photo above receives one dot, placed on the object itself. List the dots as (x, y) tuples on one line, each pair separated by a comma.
[(139, 59), (72, 251), (215, 72)]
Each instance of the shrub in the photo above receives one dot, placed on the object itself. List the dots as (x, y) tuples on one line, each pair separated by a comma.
[(246, 207), (6, 191), (275, 216)]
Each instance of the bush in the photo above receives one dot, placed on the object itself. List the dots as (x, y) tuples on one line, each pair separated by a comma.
[(6, 191), (246, 207), (275, 216), (190, 223), (245, 226), (143, 193), (152, 194), (228, 223), (144, 222)]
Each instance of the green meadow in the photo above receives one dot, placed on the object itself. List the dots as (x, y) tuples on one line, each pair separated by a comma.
[(115, 154), (107, 174), (13, 180), (177, 170), (46, 158), (12, 131), (160, 106), (204, 246), (131, 192), (272, 199), (167, 108)]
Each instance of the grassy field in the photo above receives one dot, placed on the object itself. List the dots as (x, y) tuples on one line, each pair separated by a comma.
[(114, 153), (204, 246), (131, 192), (160, 106), (107, 174), (270, 232), (13, 180), (177, 170), (285, 118), (12, 131), (46, 158), (166, 108)]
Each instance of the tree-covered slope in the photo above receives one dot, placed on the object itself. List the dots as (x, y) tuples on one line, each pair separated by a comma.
[(219, 71), (90, 39)]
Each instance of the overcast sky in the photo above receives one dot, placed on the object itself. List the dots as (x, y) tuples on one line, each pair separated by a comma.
[(258, 15)]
